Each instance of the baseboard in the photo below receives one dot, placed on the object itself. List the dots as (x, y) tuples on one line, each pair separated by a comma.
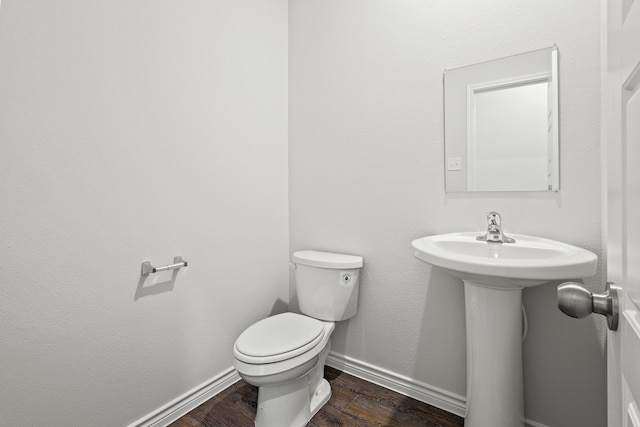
[(406, 386), (434, 396), (431, 395), (188, 401)]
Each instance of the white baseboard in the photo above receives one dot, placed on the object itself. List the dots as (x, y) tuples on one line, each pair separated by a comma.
[(434, 396), (181, 405)]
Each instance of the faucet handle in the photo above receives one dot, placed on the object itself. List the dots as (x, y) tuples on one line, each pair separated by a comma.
[(493, 218), (494, 230)]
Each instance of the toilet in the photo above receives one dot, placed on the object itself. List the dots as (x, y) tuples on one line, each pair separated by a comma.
[(284, 354)]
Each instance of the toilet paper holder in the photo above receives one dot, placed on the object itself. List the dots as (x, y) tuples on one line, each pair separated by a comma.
[(147, 268)]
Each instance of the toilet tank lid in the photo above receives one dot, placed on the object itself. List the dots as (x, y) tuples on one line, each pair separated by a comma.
[(327, 259)]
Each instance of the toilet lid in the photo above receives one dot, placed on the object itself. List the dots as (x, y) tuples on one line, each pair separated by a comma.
[(278, 337)]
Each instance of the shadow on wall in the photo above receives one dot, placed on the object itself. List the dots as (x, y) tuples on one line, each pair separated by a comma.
[(563, 358), (155, 284), (279, 306), (441, 359)]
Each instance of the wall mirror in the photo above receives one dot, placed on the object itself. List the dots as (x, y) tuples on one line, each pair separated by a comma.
[(501, 124)]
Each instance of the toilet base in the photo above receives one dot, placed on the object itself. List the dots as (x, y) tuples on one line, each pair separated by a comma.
[(290, 404), (294, 403), (284, 405), (320, 397)]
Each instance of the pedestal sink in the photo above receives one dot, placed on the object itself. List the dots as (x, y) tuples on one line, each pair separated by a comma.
[(494, 275)]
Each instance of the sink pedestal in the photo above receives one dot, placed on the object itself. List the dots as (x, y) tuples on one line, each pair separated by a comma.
[(495, 394)]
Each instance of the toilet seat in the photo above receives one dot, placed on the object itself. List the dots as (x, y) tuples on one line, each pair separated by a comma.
[(278, 338)]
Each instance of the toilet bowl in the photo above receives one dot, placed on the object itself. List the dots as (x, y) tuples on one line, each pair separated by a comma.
[(284, 355), (290, 380)]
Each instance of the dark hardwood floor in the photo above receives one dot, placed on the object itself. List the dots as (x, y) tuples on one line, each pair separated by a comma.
[(354, 403)]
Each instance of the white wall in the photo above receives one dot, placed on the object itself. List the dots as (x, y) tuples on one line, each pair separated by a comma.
[(367, 177), (131, 131), (149, 129)]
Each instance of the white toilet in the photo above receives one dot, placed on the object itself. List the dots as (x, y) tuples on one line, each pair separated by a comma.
[(284, 355)]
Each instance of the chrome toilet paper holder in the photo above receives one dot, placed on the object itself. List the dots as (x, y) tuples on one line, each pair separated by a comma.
[(147, 269)]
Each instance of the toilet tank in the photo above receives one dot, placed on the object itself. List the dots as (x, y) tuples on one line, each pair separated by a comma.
[(327, 284)]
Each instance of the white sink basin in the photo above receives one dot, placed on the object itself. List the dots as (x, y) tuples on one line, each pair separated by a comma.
[(528, 262), (494, 275)]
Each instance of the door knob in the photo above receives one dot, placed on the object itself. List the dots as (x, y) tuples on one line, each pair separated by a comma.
[(576, 301)]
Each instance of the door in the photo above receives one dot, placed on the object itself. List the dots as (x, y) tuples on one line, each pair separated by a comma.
[(621, 124)]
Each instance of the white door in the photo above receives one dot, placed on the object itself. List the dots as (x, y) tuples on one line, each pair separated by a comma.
[(621, 124)]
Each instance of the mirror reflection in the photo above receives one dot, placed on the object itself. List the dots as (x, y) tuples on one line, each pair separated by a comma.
[(501, 124)]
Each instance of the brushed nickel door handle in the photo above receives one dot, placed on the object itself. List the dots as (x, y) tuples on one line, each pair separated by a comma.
[(576, 301)]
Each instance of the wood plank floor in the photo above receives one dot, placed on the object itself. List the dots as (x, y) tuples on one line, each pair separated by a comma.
[(354, 403)]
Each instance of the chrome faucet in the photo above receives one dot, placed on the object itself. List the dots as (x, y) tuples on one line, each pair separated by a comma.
[(494, 230)]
